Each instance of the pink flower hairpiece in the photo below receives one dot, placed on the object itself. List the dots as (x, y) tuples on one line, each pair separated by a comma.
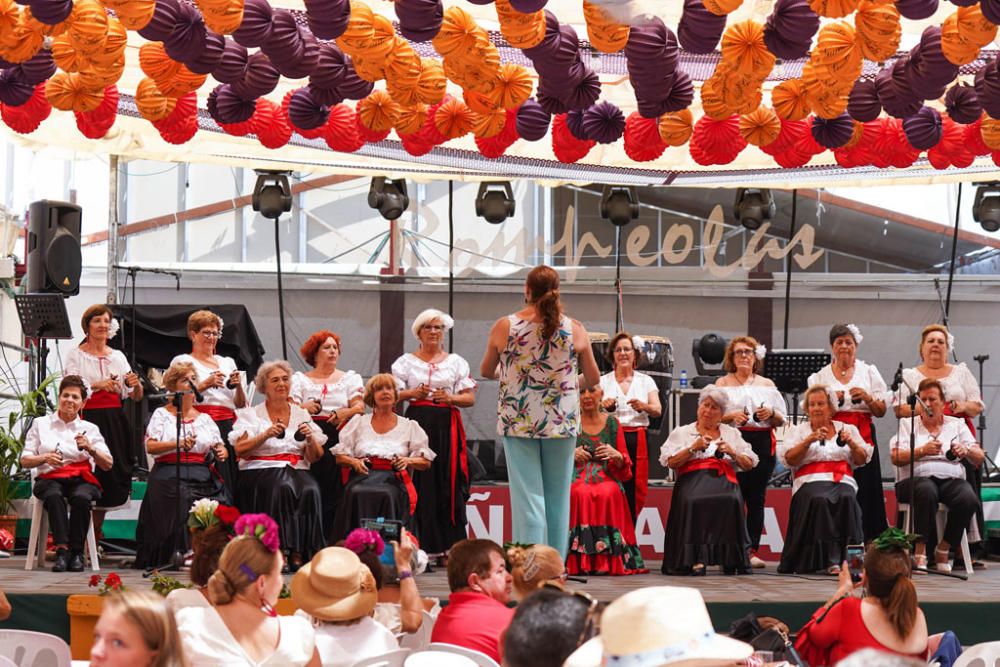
[(362, 539), (260, 526)]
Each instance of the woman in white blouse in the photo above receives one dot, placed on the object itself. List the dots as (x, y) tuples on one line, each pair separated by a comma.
[(756, 408), (218, 381), (707, 524), (942, 446), (110, 380), (276, 442), (861, 395), (160, 531), (633, 397), (436, 384), (332, 396), (380, 449), (824, 516)]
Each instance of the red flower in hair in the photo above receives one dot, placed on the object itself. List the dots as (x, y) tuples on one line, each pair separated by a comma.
[(227, 514)]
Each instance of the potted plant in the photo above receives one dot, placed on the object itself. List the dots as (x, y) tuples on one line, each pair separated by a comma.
[(13, 429)]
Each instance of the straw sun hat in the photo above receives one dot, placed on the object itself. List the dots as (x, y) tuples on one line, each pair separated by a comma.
[(335, 586), (660, 625)]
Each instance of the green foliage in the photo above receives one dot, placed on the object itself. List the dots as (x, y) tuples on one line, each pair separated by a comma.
[(12, 433), (163, 584)]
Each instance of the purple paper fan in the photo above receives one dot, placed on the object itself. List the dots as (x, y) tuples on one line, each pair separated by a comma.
[(255, 29), (923, 129), (14, 90), (962, 104), (304, 112), (863, 104), (230, 107), (532, 121), (208, 60), (834, 132), (164, 19), (232, 67), (187, 38), (261, 78), (604, 123)]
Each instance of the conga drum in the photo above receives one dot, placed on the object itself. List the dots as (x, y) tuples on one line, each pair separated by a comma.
[(656, 359), (599, 344)]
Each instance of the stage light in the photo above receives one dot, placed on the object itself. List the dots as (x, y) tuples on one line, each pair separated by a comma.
[(986, 207), (753, 207), (619, 204), (388, 197), (709, 350), (495, 201), (271, 195)]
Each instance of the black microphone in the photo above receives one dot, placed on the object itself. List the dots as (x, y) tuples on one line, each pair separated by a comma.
[(197, 394), (898, 379)]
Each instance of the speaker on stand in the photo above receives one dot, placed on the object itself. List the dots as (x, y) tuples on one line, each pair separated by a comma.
[(54, 257)]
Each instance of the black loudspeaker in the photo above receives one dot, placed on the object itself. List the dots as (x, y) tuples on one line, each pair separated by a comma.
[(54, 258)]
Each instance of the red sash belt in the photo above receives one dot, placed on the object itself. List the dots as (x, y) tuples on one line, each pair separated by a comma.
[(722, 467), (758, 429), (378, 463), (459, 452), (641, 465), (862, 420), (961, 415), (840, 469), (77, 469), (293, 459), (102, 399), (321, 418), (186, 457), (218, 413)]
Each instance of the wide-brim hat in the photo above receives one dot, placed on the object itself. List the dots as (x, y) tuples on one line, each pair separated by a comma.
[(335, 586)]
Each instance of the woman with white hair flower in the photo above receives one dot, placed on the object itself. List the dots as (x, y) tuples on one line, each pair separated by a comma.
[(824, 516), (707, 525), (437, 383), (861, 394), (634, 398)]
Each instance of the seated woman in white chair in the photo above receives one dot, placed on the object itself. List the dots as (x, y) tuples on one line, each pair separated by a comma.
[(65, 449), (941, 444)]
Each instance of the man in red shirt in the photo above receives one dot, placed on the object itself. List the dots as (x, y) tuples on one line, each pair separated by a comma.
[(476, 614)]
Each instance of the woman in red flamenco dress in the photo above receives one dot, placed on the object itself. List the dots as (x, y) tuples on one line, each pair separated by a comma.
[(602, 530)]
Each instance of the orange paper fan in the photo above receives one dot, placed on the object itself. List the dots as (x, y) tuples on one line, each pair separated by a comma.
[(513, 88), (789, 100), (676, 128), (721, 7), (743, 47), (151, 103), (432, 84), (411, 119), (489, 124), (760, 127), (67, 93), (378, 112), (453, 119)]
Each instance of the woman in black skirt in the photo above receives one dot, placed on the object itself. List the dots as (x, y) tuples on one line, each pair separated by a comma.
[(276, 442), (380, 449), (707, 525), (161, 530), (437, 384), (824, 516)]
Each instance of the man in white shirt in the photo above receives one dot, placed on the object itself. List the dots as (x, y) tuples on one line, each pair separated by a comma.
[(65, 450)]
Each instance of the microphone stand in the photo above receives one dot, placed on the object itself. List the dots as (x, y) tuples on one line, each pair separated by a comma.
[(982, 359)]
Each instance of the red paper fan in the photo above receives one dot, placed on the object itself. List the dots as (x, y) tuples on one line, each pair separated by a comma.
[(567, 148), (642, 138)]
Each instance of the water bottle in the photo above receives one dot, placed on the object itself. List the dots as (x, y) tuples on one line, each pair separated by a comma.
[(684, 379)]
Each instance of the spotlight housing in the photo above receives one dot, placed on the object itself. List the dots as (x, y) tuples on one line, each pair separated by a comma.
[(388, 196), (619, 204), (986, 207), (495, 201), (753, 207), (272, 195), (707, 351)]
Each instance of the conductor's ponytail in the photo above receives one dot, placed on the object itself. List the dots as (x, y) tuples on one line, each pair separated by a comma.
[(543, 287), (901, 607), (888, 572)]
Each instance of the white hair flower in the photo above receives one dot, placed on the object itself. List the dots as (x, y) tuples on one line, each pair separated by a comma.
[(638, 343), (113, 328), (951, 341), (760, 351), (856, 332), (222, 325)]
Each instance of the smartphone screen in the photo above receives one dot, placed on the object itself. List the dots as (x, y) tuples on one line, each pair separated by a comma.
[(855, 560)]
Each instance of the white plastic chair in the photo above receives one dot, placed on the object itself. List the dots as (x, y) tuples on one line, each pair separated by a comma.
[(7, 662), (980, 655), (34, 649), (478, 657), (391, 659), (438, 659), (40, 531), (942, 516), (422, 637)]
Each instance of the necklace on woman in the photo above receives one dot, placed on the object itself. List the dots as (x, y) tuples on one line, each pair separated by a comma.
[(843, 372)]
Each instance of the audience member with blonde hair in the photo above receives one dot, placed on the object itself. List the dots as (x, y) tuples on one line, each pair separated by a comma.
[(532, 566), (136, 629)]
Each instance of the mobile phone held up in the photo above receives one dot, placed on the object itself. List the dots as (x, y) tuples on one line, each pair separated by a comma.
[(855, 561)]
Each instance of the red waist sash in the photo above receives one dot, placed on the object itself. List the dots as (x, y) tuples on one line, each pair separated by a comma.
[(293, 459), (103, 399), (186, 457), (641, 465), (862, 420), (459, 452), (77, 469), (840, 469), (378, 463), (758, 429), (721, 466), (218, 413)]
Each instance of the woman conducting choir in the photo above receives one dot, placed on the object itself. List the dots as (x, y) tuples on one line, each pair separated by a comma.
[(110, 379), (332, 396), (437, 384), (707, 525), (824, 516), (66, 449), (276, 441), (381, 449), (533, 353), (756, 408), (219, 382), (602, 530), (942, 444), (861, 394), (160, 531), (634, 398)]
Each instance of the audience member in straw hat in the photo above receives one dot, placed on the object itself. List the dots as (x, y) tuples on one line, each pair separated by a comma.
[(136, 629), (660, 625), (532, 566), (548, 626), (476, 614), (336, 592)]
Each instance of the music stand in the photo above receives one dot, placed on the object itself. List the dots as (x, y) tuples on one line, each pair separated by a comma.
[(43, 317), (790, 371)]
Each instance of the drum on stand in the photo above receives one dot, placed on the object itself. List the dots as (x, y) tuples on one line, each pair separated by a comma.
[(599, 344), (656, 359)]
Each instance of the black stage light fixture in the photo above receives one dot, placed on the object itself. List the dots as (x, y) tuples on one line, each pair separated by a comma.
[(753, 207), (495, 201), (709, 350), (388, 196), (986, 207), (619, 204), (271, 195)]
